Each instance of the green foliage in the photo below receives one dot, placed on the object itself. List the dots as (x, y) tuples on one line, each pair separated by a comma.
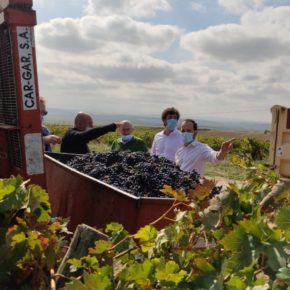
[(30, 241), (227, 242)]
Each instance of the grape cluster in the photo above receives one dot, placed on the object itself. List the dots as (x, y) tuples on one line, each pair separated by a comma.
[(137, 173), (216, 190)]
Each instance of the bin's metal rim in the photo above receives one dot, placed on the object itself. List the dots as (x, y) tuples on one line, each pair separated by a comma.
[(106, 184)]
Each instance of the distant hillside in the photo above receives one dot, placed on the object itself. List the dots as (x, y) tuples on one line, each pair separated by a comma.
[(66, 117)]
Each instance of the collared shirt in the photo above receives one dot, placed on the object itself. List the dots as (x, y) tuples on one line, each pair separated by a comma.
[(194, 156), (166, 145)]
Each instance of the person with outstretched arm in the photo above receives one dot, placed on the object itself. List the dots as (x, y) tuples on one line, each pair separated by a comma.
[(76, 139), (193, 155)]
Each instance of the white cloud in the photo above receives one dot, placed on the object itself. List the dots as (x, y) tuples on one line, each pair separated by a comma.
[(198, 7), (96, 34), (261, 36), (241, 6), (108, 61), (134, 8)]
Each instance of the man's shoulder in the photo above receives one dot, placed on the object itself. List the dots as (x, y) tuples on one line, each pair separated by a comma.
[(159, 134), (69, 131), (117, 141), (176, 134), (138, 140), (202, 146)]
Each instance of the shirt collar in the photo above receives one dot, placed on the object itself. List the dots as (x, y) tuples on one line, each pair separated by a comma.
[(193, 143), (175, 131)]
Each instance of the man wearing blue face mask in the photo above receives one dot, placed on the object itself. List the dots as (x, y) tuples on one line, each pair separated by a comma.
[(127, 141), (194, 154), (166, 142)]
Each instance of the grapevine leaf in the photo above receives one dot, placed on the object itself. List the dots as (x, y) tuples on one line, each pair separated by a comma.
[(276, 256), (284, 274), (32, 240), (7, 190), (39, 203), (12, 200), (170, 273), (101, 246), (139, 273), (114, 228), (219, 234), (235, 240), (257, 229), (96, 281), (75, 284), (147, 236), (177, 194), (236, 283), (18, 238), (240, 246), (283, 218), (75, 263), (202, 191), (203, 265)]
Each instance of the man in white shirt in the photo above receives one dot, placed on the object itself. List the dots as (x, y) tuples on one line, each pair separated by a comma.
[(166, 142), (194, 154)]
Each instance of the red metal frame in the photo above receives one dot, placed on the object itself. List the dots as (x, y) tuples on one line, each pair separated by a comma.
[(20, 19)]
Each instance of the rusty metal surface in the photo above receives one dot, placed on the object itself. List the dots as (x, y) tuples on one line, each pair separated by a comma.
[(87, 200)]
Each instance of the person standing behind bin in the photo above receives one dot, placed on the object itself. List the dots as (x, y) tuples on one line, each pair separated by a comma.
[(127, 141), (166, 142), (193, 155), (47, 138), (76, 139)]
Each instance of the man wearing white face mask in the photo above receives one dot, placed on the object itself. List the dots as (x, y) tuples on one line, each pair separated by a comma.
[(127, 141), (166, 142), (194, 154), (76, 139)]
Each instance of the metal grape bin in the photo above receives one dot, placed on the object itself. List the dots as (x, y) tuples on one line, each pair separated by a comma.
[(85, 199)]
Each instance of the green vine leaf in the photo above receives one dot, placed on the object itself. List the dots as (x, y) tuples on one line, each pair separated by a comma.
[(138, 273), (283, 218), (39, 203), (101, 246), (284, 274), (203, 265), (170, 273), (146, 236), (236, 283), (5, 191)]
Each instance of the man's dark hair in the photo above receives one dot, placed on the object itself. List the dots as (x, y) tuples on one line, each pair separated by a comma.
[(193, 123), (170, 111)]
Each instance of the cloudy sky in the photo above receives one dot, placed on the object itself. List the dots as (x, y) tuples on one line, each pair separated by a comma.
[(212, 59)]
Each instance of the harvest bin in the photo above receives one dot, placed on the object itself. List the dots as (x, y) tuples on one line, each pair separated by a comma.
[(279, 155), (85, 199)]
